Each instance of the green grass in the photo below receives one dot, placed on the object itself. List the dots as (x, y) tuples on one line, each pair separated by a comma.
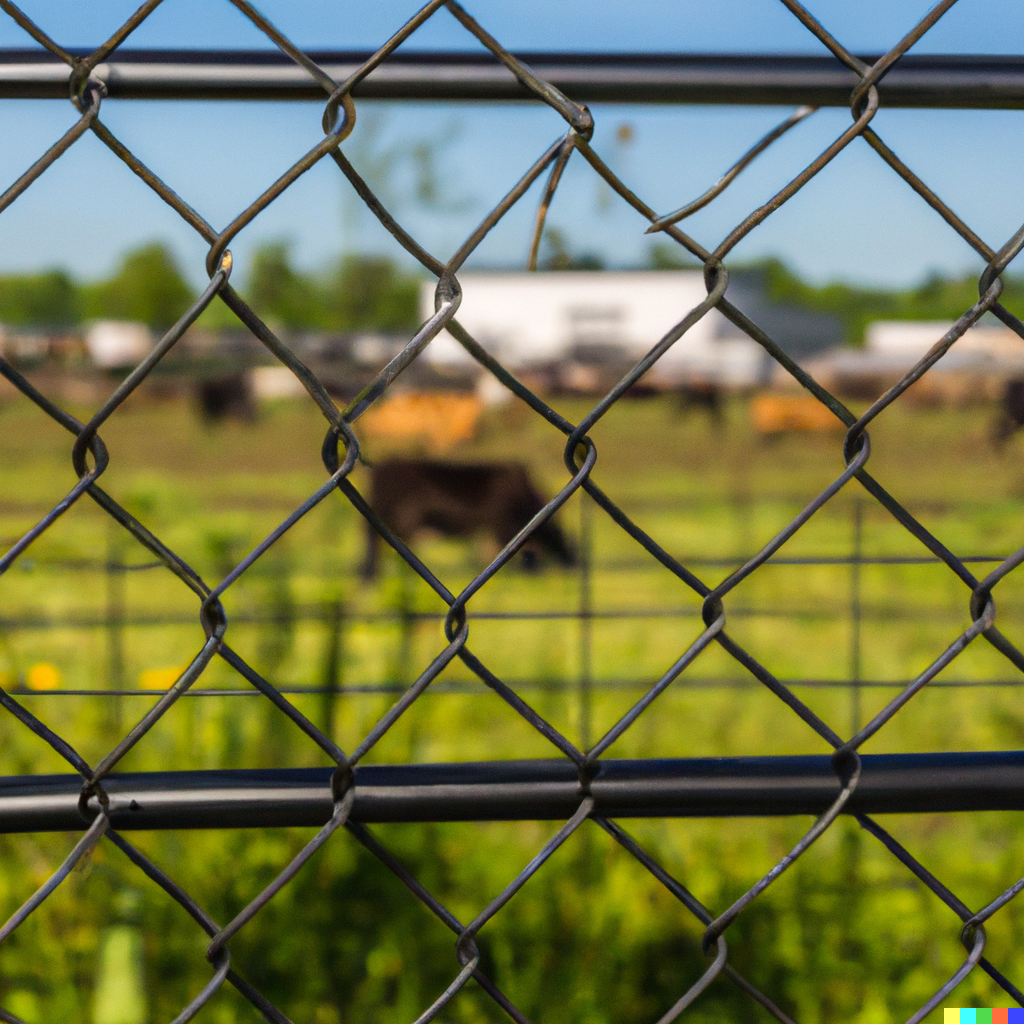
[(847, 934)]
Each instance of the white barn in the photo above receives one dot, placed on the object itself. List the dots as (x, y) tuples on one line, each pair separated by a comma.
[(533, 319), (904, 342)]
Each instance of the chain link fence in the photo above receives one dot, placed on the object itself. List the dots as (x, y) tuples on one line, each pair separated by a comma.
[(578, 786)]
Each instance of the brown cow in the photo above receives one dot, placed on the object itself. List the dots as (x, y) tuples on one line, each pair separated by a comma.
[(460, 500), (779, 414), (439, 418)]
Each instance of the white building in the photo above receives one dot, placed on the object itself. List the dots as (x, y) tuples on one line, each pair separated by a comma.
[(534, 319), (902, 343), (118, 344), (972, 370)]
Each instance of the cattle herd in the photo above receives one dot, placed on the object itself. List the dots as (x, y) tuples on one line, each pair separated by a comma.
[(231, 397), (498, 499)]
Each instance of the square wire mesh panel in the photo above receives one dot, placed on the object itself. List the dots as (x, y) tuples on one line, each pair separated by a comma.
[(103, 804)]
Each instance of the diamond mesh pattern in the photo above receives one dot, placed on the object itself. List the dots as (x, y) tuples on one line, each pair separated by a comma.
[(341, 451)]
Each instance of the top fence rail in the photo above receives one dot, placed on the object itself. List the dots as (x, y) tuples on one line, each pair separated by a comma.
[(919, 80)]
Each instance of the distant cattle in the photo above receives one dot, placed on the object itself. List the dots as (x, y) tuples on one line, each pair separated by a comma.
[(226, 397), (460, 500), (1011, 412), (778, 414), (701, 395), (436, 417)]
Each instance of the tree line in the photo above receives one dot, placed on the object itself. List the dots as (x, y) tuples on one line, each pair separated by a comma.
[(368, 292), (353, 293), (937, 298)]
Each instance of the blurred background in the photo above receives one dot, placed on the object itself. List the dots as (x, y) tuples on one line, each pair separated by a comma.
[(712, 453)]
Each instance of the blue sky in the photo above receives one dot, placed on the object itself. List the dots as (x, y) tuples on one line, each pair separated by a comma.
[(856, 222)]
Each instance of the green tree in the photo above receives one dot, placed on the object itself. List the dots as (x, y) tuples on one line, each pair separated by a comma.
[(559, 256), (371, 293), (147, 286), (937, 298), (49, 299), (670, 256), (359, 293), (278, 292)]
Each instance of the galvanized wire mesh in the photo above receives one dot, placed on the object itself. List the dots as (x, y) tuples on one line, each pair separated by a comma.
[(99, 808)]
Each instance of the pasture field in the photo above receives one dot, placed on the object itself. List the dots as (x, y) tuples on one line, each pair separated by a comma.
[(852, 935)]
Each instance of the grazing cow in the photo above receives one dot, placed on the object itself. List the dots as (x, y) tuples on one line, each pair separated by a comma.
[(439, 418), (701, 395), (1011, 413), (230, 396), (460, 500), (778, 414)]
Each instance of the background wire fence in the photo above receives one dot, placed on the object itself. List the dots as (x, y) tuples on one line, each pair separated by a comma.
[(110, 611), (104, 805)]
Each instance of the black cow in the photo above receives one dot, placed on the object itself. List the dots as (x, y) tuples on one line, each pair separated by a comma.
[(1011, 413), (460, 500), (229, 396)]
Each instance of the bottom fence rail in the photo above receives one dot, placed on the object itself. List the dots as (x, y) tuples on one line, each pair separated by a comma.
[(522, 790)]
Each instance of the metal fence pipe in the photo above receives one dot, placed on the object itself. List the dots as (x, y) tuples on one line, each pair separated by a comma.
[(918, 80), (522, 791)]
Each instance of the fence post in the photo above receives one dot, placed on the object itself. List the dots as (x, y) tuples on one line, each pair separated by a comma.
[(114, 571), (855, 616), (333, 660), (407, 618), (586, 619)]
